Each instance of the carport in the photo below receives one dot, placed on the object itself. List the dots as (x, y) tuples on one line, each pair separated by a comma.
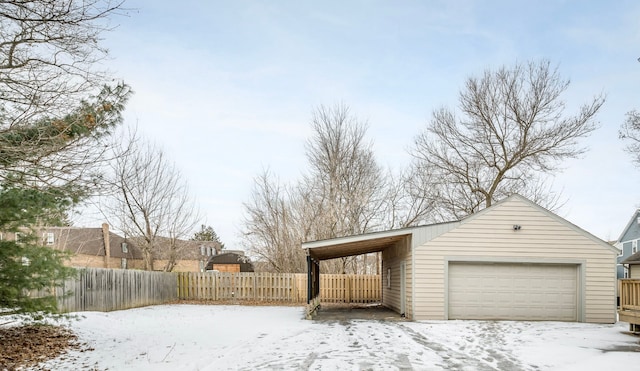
[(384, 242)]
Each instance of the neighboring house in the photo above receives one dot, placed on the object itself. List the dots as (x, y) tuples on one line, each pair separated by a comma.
[(191, 256), (230, 261), (628, 243), (87, 246), (632, 266), (514, 260)]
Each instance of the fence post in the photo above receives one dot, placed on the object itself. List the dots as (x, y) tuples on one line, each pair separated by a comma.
[(348, 289)]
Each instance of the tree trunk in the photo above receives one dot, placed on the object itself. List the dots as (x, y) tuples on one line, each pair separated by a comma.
[(147, 256)]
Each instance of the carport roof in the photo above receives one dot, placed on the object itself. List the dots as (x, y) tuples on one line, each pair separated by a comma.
[(355, 245)]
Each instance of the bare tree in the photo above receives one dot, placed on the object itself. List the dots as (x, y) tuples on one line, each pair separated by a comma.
[(150, 200), (630, 132), (343, 194), (511, 131), (272, 227), (345, 181), (48, 55), (346, 184)]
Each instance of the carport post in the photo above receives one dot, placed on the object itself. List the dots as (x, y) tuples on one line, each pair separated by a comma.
[(309, 279), (313, 279)]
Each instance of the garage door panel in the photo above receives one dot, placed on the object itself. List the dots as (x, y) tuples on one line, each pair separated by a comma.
[(512, 291)]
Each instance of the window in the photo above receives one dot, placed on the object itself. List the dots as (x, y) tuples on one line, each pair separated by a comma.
[(634, 247), (123, 263), (50, 238), (203, 250), (125, 248)]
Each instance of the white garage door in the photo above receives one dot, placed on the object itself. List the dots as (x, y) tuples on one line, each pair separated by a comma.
[(513, 291)]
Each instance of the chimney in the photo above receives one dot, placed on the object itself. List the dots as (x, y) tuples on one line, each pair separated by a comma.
[(107, 245)]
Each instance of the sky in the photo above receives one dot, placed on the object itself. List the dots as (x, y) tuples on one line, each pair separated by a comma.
[(238, 337), (227, 88)]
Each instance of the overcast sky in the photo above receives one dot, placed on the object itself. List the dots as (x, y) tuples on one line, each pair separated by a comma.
[(227, 87)]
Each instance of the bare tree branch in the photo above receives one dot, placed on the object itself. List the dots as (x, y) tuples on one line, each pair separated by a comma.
[(48, 54), (630, 133), (511, 130)]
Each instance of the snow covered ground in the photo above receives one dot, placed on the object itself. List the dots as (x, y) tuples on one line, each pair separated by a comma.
[(198, 337)]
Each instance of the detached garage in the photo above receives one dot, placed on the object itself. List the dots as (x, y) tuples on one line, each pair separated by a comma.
[(514, 260)]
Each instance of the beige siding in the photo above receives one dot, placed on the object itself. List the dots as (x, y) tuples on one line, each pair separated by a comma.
[(392, 259), (543, 238), (634, 271)]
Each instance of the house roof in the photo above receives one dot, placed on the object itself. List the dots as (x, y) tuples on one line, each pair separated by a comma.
[(632, 222), (186, 250), (378, 241), (90, 241), (228, 258), (633, 259)]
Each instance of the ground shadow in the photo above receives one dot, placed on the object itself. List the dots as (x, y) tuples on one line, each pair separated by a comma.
[(345, 312)]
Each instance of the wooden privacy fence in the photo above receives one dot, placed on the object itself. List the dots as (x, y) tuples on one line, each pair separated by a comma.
[(286, 287), (98, 289), (352, 288)]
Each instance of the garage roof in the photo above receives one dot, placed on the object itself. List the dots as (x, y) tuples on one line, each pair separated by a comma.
[(355, 245)]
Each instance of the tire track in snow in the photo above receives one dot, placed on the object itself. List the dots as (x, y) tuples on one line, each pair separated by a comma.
[(481, 349), (451, 358)]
